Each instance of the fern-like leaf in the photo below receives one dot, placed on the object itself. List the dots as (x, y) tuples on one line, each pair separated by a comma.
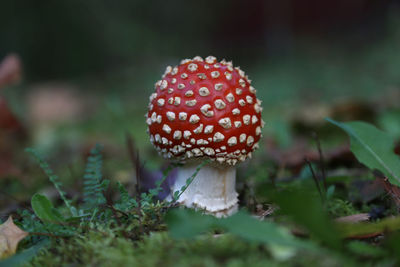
[(125, 202), (53, 178), (177, 194), (93, 186)]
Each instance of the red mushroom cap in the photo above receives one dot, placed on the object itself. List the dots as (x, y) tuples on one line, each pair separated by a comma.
[(205, 108)]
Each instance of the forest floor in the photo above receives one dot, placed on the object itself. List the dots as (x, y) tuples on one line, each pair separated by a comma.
[(306, 197)]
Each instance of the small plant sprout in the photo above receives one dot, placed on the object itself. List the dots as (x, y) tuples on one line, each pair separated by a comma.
[(205, 109)]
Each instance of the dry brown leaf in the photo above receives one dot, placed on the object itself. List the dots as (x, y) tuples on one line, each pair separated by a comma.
[(10, 236)]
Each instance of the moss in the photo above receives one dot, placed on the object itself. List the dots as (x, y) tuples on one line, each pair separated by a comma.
[(338, 207), (157, 249)]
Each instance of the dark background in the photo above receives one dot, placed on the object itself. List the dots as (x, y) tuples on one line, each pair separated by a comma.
[(72, 38)]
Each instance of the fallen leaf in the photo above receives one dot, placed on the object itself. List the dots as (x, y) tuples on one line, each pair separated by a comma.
[(361, 217), (10, 236)]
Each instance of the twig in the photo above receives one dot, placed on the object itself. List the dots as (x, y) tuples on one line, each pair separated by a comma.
[(114, 211), (164, 178), (118, 210), (47, 234), (321, 160), (315, 178), (135, 160), (273, 179), (110, 206)]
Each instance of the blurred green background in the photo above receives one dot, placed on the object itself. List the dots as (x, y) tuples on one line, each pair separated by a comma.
[(110, 54), (289, 48)]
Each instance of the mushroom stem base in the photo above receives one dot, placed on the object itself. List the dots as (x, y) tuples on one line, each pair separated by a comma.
[(213, 189)]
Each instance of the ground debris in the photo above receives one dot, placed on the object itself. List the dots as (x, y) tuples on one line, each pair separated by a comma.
[(10, 236)]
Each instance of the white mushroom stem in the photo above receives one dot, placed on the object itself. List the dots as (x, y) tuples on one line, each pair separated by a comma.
[(213, 189)]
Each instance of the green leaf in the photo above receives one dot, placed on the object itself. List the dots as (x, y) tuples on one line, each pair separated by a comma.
[(392, 244), (186, 223), (373, 148), (389, 122), (24, 256), (45, 210), (94, 185), (251, 229), (52, 177), (306, 210), (365, 249)]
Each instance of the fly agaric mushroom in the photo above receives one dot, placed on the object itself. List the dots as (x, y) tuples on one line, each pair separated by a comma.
[(205, 109)]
